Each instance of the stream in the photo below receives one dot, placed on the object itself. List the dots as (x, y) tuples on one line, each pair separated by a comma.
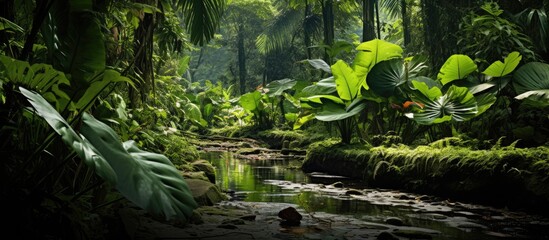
[(355, 207)]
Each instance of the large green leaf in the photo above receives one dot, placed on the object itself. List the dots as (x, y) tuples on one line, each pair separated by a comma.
[(332, 111), (371, 53), (324, 86), (75, 41), (456, 67), (500, 69), (386, 76), (302, 120), (277, 88), (148, 179), (250, 101), (103, 80), (319, 98), (429, 92), (536, 98), (531, 76), (458, 104), (319, 64), (79, 144), (347, 84), (485, 101), (42, 78)]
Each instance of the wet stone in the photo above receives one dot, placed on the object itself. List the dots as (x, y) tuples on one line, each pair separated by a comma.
[(394, 221), (227, 226), (354, 192), (248, 217), (387, 236), (337, 185), (237, 221), (291, 217)]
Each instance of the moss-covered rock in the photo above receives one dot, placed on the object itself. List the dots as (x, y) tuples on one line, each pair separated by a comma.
[(503, 176), (206, 167), (204, 192)]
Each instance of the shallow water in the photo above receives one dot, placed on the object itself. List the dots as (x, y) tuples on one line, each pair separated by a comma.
[(282, 181)]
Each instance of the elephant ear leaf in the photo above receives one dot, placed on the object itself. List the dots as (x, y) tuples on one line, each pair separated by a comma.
[(347, 84), (500, 69), (277, 88), (371, 53), (456, 67), (148, 179)]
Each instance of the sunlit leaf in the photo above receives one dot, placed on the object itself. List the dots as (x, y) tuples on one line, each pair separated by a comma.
[(456, 67), (302, 120), (500, 69), (370, 53), (347, 84)]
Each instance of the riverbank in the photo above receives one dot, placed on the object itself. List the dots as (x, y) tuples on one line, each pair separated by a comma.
[(508, 177)]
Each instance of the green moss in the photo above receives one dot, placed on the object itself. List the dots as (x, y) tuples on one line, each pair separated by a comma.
[(503, 172)]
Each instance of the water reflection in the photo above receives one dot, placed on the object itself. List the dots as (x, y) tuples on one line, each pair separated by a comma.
[(278, 181)]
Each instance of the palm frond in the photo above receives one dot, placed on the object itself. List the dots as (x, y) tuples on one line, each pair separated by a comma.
[(391, 6), (278, 33), (202, 18)]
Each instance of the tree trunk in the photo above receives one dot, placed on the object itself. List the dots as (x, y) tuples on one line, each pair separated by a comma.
[(241, 60), (368, 30), (328, 21), (143, 49), (405, 22), (306, 33)]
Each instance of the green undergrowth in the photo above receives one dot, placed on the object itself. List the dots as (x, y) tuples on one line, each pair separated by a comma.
[(275, 137), (503, 175)]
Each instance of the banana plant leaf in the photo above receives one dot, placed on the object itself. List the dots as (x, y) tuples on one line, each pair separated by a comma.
[(456, 67), (371, 53), (386, 76), (457, 104), (347, 84), (277, 88), (148, 179), (500, 69), (83, 148)]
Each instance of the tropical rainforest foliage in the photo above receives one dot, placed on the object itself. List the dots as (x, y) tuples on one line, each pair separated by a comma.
[(99, 99)]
